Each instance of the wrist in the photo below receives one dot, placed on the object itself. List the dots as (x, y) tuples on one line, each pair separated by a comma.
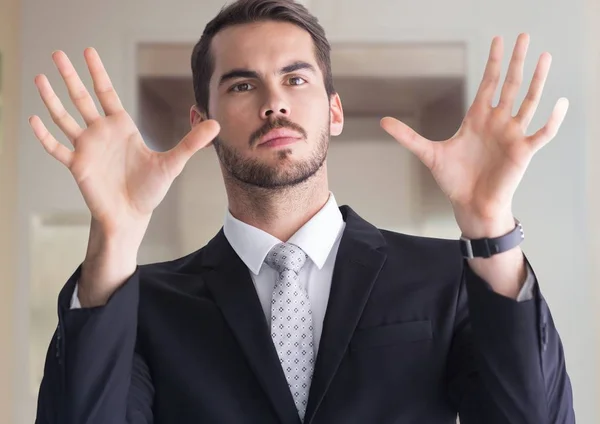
[(505, 272), (475, 227)]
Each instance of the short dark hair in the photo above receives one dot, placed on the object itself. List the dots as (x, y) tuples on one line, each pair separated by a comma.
[(248, 11)]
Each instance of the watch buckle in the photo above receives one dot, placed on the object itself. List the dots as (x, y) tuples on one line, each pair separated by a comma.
[(468, 247)]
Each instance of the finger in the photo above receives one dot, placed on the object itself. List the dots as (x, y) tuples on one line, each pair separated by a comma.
[(491, 75), (532, 99), (59, 115), (56, 150), (549, 131), (200, 136), (103, 87), (418, 145), (77, 91), (514, 75)]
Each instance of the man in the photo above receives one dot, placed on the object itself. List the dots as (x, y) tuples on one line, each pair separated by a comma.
[(298, 310)]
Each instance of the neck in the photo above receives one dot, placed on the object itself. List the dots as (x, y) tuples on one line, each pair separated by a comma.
[(279, 212)]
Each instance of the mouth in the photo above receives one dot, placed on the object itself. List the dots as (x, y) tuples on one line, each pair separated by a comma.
[(279, 137)]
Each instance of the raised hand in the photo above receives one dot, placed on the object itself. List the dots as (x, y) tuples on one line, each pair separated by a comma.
[(122, 181), (480, 167)]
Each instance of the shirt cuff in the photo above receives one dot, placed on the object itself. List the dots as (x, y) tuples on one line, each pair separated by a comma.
[(526, 292), (75, 300)]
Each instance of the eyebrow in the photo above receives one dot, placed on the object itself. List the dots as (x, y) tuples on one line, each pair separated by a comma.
[(247, 73)]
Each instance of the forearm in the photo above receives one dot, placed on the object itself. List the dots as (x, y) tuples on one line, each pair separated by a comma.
[(110, 260), (505, 272)]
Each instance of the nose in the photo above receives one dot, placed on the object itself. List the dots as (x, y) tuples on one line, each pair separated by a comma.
[(274, 107)]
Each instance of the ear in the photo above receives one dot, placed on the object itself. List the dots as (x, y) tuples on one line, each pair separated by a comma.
[(336, 123), (196, 116)]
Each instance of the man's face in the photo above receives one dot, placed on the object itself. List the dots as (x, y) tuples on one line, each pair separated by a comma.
[(268, 95)]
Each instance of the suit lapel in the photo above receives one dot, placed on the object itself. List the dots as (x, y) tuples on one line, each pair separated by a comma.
[(233, 291), (357, 266)]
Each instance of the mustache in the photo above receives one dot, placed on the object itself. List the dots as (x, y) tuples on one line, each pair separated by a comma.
[(280, 122)]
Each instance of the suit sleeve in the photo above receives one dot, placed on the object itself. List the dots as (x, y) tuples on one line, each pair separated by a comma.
[(506, 363), (93, 373)]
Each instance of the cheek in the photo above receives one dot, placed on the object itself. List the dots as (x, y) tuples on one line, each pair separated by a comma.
[(237, 119), (319, 116), (311, 110)]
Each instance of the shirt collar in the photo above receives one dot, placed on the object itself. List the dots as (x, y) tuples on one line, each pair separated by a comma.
[(316, 238)]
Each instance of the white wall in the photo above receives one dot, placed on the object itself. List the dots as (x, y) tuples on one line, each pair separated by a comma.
[(551, 200), (9, 42), (592, 83)]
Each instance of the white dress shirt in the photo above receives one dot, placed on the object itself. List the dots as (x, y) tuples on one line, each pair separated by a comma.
[(319, 238)]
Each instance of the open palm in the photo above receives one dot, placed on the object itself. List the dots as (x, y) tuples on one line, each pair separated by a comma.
[(480, 167), (120, 178)]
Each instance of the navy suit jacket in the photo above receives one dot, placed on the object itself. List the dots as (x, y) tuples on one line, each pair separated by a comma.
[(411, 335)]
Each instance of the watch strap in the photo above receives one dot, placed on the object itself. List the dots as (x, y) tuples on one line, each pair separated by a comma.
[(487, 247)]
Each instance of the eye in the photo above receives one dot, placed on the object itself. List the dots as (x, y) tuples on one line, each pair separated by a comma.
[(296, 81), (244, 86)]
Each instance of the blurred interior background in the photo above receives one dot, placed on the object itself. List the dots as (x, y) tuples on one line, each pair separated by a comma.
[(420, 62)]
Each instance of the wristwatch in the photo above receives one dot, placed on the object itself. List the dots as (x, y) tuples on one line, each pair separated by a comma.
[(486, 247)]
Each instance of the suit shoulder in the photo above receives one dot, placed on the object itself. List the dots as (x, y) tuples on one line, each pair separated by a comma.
[(173, 272), (431, 245), (173, 265), (427, 252)]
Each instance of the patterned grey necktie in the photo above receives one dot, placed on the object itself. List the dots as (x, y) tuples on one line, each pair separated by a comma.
[(291, 322)]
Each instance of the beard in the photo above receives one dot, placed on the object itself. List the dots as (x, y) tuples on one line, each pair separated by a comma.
[(285, 172)]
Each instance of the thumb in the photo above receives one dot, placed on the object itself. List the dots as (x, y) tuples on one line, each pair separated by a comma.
[(200, 136), (409, 138)]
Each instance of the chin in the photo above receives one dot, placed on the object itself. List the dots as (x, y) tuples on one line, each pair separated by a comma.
[(276, 168)]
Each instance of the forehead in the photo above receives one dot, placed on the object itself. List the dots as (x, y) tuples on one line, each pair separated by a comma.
[(261, 46)]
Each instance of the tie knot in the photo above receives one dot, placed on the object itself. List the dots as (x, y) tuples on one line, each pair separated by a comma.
[(286, 256)]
